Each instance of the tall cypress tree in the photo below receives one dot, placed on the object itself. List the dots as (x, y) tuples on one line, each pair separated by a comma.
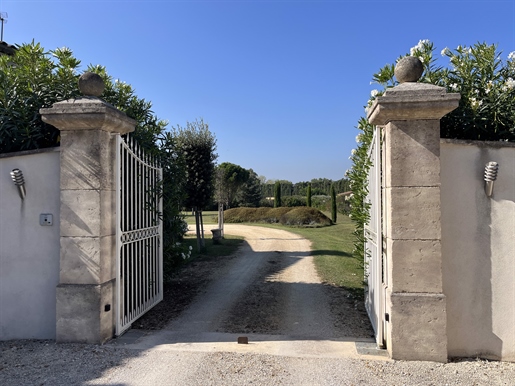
[(308, 200), (277, 194), (333, 204)]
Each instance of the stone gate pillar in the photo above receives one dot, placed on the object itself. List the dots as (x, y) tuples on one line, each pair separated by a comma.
[(85, 295), (415, 303)]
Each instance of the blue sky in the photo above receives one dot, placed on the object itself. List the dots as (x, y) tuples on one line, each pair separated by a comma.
[(282, 84)]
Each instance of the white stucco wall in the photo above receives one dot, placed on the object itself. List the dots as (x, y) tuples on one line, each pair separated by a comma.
[(478, 249), (29, 252)]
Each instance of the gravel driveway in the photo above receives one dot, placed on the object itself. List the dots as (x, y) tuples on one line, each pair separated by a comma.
[(300, 332)]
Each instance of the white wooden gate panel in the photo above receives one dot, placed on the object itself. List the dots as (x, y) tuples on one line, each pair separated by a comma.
[(374, 299), (139, 281)]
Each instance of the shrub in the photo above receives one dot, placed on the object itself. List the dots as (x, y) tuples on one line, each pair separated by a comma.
[(305, 217), (293, 201), (299, 216)]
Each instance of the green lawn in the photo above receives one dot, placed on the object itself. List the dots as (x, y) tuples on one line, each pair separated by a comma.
[(209, 217), (228, 245)]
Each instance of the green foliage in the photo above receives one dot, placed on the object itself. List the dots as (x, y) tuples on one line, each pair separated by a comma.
[(308, 196), (251, 191), (319, 186), (29, 80), (333, 204), (486, 111), (302, 216), (277, 195), (230, 181), (197, 146), (293, 201), (299, 216)]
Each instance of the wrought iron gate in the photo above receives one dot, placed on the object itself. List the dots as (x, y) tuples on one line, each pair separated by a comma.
[(139, 281), (374, 299)]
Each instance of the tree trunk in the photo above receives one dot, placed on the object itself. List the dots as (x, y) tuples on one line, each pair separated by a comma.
[(197, 228), (202, 241)]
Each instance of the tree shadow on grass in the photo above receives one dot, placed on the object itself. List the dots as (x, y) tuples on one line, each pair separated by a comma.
[(327, 252)]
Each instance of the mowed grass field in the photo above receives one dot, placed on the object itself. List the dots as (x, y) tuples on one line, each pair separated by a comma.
[(332, 249)]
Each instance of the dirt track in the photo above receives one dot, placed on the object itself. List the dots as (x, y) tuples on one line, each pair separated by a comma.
[(270, 291)]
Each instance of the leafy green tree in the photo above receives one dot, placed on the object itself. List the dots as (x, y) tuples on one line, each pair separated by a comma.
[(197, 146), (277, 194), (333, 204), (233, 180), (29, 80), (251, 191), (308, 198)]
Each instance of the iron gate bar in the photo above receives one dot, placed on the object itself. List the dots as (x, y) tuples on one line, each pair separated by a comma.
[(139, 284), (374, 300)]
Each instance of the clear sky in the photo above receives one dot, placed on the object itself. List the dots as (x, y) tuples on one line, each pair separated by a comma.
[(282, 84)]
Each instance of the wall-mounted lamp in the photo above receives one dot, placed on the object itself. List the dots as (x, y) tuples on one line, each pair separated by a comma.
[(18, 180), (491, 170)]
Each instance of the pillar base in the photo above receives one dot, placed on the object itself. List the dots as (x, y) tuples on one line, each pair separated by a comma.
[(418, 327), (85, 313)]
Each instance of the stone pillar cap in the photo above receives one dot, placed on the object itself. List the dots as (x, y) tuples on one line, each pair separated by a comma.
[(87, 113), (412, 101)]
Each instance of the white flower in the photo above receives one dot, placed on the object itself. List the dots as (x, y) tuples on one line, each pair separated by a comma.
[(510, 83), (190, 248), (353, 151), (419, 46), (359, 138), (454, 87), (511, 55), (374, 93), (475, 103), (446, 51), (183, 256)]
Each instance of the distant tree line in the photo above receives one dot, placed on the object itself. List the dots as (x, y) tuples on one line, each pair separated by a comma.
[(319, 187), (236, 186)]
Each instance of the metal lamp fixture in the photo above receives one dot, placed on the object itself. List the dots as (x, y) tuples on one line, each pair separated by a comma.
[(18, 180), (491, 170)]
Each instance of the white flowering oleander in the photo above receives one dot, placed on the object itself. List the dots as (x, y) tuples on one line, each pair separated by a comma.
[(359, 138), (446, 51), (453, 87), (418, 47), (510, 84), (374, 93), (353, 151), (475, 103), (190, 248), (511, 55)]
